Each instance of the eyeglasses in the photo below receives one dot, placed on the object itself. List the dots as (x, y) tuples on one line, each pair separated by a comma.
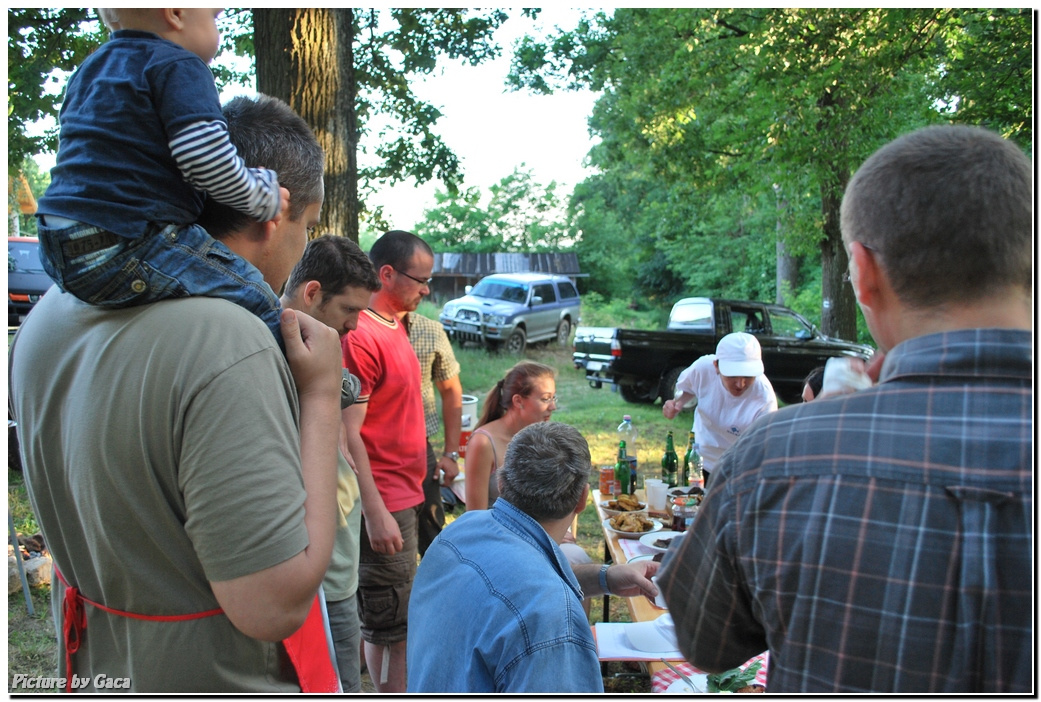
[(426, 282), (548, 400)]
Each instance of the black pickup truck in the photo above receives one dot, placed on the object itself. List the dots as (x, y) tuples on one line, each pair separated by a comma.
[(645, 365)]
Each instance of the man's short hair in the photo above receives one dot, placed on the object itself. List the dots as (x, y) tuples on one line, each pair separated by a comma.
[(267, 133), (335, 262), (948, 210), (395, 249), (547, 465)]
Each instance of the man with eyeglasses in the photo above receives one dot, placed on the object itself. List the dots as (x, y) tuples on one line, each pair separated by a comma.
[(386, 435)]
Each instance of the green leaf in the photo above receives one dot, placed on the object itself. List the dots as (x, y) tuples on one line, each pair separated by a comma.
[(734, 679)]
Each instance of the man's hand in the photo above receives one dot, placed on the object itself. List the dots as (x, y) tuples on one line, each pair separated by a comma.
[(874, 366), (844, 375), (384, 533), (313, 352), (451, 469), (670, 408), (631, 579)]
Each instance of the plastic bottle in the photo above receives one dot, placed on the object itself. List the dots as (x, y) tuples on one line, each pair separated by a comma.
[(697, 467), (628, 434)]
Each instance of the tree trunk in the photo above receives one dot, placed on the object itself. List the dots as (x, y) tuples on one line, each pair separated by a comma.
[(305, 57), (787, 264), (838, 307), (787, 273)]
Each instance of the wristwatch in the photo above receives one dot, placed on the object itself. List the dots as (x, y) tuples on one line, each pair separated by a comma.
[(454, 455)]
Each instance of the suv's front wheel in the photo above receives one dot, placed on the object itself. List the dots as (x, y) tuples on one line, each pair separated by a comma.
[(516, 342), (563, 332)]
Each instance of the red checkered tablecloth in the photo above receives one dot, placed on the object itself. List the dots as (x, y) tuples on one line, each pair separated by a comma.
[(660, 681)]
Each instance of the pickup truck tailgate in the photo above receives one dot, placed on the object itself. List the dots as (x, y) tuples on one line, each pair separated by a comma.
[(593, 344)]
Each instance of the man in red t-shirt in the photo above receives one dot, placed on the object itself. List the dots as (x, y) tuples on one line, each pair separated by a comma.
[(386, 435)]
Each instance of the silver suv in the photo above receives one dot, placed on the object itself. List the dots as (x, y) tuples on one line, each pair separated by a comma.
[(511, 310)]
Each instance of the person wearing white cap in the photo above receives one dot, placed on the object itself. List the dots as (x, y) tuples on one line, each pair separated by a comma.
[(731, 390)]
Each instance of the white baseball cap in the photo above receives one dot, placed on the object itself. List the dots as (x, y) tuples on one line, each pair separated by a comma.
[(739, 354)]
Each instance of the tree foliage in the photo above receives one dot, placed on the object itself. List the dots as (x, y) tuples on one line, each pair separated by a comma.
[(44, 45), (520, 216), (724, 130), (986, 78), (390, 49)]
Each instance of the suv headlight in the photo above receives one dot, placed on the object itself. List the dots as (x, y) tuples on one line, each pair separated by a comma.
[(495, 319), (448, 310)]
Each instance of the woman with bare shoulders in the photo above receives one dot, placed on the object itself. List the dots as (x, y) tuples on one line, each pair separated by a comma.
[(527, 394)]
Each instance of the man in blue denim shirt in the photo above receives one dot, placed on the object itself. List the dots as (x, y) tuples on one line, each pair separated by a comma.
[(495, 605)]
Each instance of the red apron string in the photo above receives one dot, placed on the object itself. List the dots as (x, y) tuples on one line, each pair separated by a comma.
[(74, 620), (307, 647)]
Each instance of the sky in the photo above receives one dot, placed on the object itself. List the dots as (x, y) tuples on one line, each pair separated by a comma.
[(493, 131)]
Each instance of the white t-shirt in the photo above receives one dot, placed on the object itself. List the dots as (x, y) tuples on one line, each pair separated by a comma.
[(720, 417)]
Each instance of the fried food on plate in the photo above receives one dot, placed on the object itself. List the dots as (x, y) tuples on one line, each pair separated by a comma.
[(633, 523), (625, 503)]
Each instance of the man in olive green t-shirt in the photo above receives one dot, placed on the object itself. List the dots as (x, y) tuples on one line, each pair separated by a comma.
[(179, 466)]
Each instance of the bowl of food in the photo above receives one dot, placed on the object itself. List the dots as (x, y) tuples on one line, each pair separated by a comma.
[(631, 525), (622, 504)]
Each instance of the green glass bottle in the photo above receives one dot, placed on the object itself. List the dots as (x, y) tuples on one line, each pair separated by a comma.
[(621, 471), (669, 462), (685, 473)]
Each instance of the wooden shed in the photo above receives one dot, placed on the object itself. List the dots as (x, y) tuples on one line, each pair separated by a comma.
[(454, 271)]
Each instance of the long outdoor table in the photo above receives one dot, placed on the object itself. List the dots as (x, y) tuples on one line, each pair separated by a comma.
[(641, 609)]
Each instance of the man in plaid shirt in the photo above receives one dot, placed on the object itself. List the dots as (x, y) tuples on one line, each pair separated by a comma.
[(438, 367), (880, 541)]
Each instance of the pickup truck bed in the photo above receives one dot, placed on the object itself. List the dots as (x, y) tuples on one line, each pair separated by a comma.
[(645, 365)]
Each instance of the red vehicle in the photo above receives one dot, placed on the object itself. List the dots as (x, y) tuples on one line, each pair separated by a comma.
[(26, 279)]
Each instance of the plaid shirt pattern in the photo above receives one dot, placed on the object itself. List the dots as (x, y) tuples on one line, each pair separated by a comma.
[(436, 362), (880, 541)]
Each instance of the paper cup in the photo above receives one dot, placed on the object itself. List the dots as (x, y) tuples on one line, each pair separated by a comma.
[(656, 493)]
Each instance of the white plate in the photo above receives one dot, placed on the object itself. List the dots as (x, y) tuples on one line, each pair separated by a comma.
[(649, 539), (680, 687), (629, 534), (644, 557)]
